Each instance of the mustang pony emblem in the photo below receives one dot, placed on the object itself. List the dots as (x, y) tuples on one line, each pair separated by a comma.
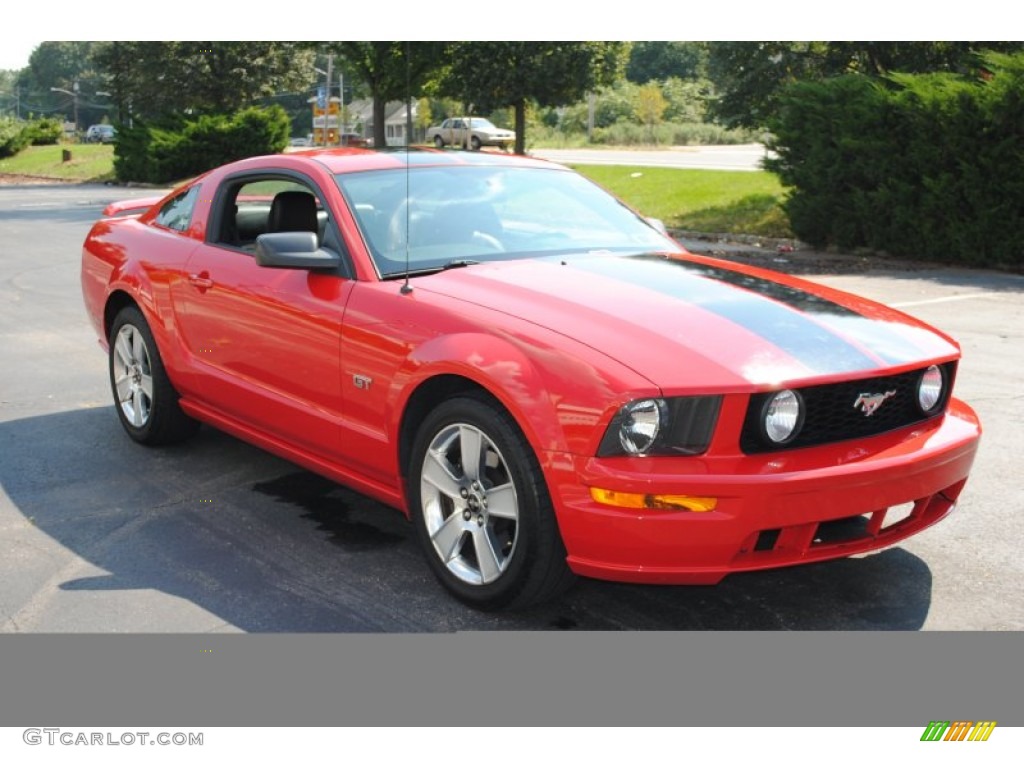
[(870, 403)]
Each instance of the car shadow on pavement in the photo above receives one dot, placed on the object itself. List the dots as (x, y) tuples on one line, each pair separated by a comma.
[(260, 545)]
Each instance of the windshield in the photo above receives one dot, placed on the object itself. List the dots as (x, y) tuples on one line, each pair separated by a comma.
[(479, 122), (452, 216)]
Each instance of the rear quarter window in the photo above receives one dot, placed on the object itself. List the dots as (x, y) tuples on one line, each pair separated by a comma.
[(176, 213)]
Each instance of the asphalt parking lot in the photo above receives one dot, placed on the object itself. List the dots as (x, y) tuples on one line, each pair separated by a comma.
[(98, 534)]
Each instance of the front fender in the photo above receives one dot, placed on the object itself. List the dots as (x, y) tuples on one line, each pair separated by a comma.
[(496, 365), (561, 394)]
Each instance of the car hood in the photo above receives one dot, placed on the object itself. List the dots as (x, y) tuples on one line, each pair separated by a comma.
[(687, 323)]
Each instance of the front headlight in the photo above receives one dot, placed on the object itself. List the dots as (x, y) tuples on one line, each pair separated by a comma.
[(662, 426), (782, 416), (639, 425), (929, 389)]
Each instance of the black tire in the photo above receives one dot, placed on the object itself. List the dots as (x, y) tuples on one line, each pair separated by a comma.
[(474, 141), (439, 142), (145, 401), (488, 532)]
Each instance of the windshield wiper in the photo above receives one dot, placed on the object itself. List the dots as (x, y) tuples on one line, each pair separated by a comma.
[(455, 263)]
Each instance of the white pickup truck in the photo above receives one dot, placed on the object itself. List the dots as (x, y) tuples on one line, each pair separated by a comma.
[(482, 133)]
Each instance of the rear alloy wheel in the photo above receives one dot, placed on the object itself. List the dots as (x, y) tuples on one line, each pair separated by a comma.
[(439, 142), (147, 403), (481, 508)]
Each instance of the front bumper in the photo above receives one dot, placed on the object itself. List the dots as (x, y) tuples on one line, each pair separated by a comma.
[(796, 507)]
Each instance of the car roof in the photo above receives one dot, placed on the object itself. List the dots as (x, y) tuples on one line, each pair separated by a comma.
[(352, 160)]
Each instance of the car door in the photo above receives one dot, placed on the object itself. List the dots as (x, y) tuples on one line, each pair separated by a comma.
[(455, 133), (266, 342)]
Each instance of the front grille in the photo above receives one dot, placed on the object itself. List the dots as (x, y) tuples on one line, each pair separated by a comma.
[(831, 416)]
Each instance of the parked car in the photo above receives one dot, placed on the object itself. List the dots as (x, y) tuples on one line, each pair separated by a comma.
[(354, 140), (299, 141), (541, 380), (102, 133), (483, 133)]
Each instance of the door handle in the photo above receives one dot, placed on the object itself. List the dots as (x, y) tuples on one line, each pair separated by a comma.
[(201, 281)]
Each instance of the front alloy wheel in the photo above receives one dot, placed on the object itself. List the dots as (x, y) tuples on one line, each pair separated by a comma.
[(481, 508), (469, 504)]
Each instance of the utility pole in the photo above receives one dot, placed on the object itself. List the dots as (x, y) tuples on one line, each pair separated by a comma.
[(591, 105), (327, 107), (74, 96), (341, 109)]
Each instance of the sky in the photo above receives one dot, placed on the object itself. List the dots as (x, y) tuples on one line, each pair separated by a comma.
[(521, 19), (14, 51)]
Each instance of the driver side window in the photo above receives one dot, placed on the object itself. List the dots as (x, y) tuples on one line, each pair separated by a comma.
[(261, 206)]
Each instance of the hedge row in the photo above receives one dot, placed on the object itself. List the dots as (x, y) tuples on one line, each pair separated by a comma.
[(923, 166), (15, 135), (45, 131), (183, 148)]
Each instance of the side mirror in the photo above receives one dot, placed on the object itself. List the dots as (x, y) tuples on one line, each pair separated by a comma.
[(293, 250)]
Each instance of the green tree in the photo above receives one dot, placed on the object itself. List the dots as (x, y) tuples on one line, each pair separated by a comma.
[(161, 78), (64, 65), (650, 106), (660, 60), (489, 75), (424, 116), (749, 76), (10, 93), (614, 104), (122, 73), (391, 71), (59, 63), (687, 99)]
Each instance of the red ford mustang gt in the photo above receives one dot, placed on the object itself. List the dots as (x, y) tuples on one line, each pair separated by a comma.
[(540, 379)]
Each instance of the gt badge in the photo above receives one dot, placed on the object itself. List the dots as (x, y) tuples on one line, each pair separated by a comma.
[(871, 403)]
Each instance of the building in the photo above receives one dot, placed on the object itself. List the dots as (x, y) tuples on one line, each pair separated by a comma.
[(360, 114)]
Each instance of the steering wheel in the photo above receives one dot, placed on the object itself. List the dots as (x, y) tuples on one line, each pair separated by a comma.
[(483, 238)]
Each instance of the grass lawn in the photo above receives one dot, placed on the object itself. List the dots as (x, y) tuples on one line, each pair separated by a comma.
[(737, 202), (90, 162)]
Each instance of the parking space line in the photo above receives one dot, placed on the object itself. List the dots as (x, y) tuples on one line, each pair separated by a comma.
[(941, 300)]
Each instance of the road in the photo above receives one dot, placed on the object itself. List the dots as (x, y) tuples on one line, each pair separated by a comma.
[(98, 534), (740, 157)]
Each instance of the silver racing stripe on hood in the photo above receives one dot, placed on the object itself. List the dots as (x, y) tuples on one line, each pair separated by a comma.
[(824, 336)]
